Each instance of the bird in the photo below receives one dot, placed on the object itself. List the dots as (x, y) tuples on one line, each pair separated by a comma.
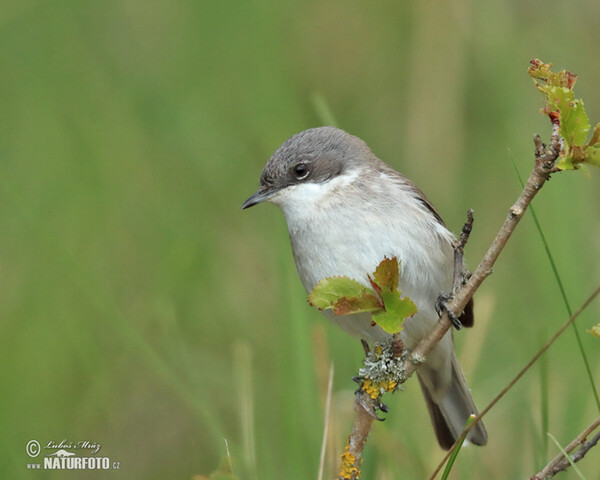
[(346, 210)]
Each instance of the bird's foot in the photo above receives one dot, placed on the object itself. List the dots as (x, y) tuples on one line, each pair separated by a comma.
[(370, 404), (441, 305)]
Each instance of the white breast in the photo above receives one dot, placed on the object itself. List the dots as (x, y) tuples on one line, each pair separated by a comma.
[(344, 227)]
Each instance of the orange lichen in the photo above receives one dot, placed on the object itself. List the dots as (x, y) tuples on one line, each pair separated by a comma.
[(376, 389), (348, 468)]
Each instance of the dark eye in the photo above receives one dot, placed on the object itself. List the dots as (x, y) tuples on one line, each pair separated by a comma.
[(301, 171)]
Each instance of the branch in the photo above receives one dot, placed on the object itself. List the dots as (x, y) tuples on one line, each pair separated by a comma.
[(380, 365), (560, 462), (364, 406), (460, 275), (541, 351), (545, 158)]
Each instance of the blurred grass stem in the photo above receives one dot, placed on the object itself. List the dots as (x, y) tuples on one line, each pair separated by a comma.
[(522, 372), (243, 364), (326, 423), (563, 293), (563, 460)]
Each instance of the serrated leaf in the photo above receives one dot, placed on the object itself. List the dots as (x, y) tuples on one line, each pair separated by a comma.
[(347, 296), (331, 289), (367, 302), (579, 157), (566, 163), (397, 310), (569, 113), (344, 295), (574, 123), (386, 275), (559, 98), (541, 71)]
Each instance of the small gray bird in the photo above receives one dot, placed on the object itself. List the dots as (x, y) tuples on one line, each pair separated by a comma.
[(346, 210)]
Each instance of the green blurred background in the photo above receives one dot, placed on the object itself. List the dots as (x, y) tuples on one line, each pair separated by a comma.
[(142, 310)]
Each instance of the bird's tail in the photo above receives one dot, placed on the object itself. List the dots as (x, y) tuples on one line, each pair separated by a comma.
[(450, 412)]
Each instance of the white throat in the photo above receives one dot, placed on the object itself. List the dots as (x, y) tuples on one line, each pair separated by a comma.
[(347, 225), (302, 202)]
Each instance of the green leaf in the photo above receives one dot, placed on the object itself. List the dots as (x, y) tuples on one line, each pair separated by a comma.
[(454, 454), (385, 281), (344, 296), (330, 289), (574, 123), (367, 302), (565, 163), (566, 455), (397, 309), (541, 71), (559, 98), (593, 154), (562, 108), (387, 274)]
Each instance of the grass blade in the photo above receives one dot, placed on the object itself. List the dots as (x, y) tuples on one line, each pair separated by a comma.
[(544, 400), (326, 424), (567, 456), (457, 449), (323, 110), (562, 292)]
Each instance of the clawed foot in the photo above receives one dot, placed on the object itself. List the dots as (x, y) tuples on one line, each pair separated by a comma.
[(371, 406), (368, 403), (441, 305)]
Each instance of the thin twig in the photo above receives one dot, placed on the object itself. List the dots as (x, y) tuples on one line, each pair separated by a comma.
[(545, 158), (364, 406), (459, 248), (520, 374), (543, 168), (579, 454), (560, 462)]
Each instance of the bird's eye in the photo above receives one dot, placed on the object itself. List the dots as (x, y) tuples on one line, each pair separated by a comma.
[(300, 171)]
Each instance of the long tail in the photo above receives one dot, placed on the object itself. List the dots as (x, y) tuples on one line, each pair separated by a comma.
[(450, 413)]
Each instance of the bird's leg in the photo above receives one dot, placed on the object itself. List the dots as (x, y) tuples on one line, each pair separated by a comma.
[(361, 397), (441, 305), (382, 372), (366, 401), (365, 346), (369, 404), (461, 275)]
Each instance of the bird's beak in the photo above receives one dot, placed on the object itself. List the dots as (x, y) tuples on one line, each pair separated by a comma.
[(262, 194)]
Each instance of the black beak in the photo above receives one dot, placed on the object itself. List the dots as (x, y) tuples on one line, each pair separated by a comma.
[(262, 194)]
